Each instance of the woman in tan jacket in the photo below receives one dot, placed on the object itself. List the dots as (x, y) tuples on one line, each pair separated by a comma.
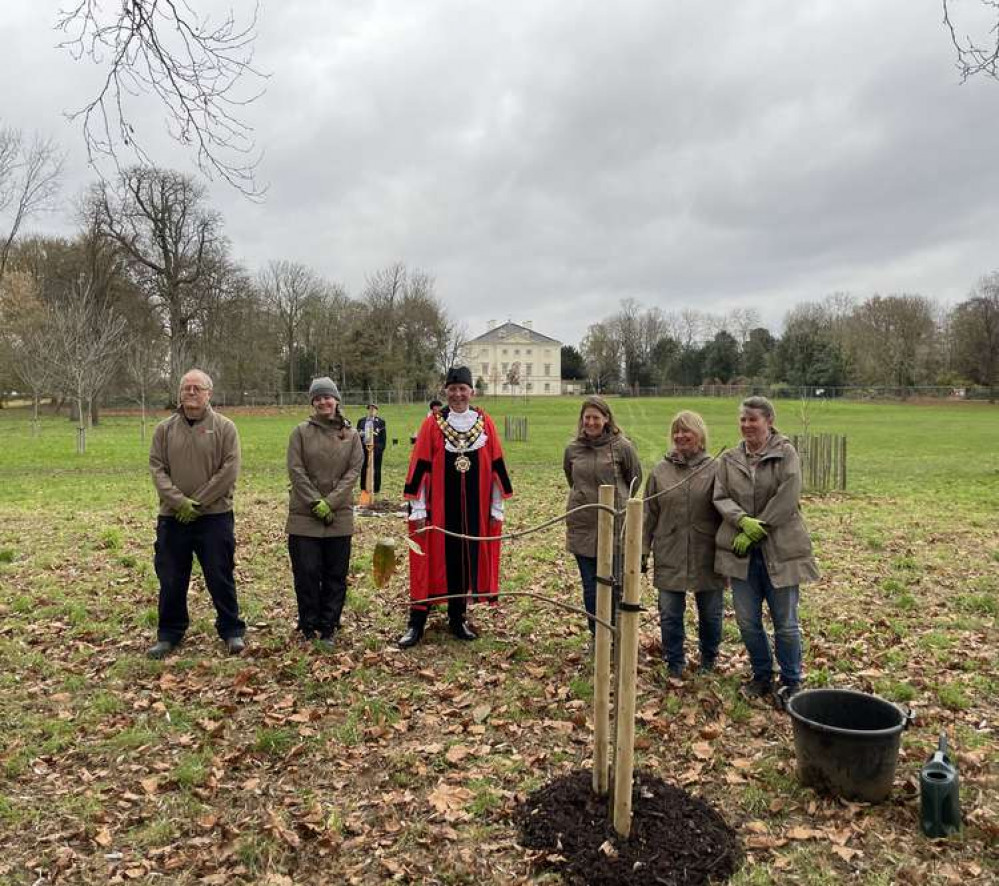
[(324, 461), (679, 529), (599, 454), (763, 545)]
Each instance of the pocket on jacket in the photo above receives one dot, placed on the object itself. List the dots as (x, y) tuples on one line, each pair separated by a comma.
[(791, 541)]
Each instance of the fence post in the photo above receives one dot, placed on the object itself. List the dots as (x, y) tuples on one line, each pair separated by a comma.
[(602, 644), (627, 626)]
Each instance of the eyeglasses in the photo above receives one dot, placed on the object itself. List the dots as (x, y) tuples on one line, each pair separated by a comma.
[(195, 388)]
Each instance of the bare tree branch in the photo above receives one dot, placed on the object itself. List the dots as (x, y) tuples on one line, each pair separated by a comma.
[(976, 56), (29, 179), (191, 64)]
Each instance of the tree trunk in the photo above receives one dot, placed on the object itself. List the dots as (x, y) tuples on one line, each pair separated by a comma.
[(81, 425)]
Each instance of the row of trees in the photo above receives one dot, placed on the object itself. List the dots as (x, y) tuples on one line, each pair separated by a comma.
[(148, 288), (895, 340)]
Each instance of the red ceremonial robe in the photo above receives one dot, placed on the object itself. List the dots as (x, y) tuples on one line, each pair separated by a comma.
[(458, 502)]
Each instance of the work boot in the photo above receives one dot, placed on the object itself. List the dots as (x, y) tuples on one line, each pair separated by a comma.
[(757, 688), (462, 631), (235, 645), (161, 649), (412, 636)]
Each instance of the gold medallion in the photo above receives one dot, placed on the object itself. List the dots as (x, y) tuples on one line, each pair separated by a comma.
[(462, 463)]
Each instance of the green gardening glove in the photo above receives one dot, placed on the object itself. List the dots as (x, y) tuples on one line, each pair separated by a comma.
[(322, 511), (188, 511), (753, 528), (741, 544)]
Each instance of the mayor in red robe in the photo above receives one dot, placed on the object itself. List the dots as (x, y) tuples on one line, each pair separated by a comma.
[(457, 480)]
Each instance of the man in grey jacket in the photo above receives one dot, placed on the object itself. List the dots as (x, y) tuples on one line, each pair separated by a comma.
[(194, 460)]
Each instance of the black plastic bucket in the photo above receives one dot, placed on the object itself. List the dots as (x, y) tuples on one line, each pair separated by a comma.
[(846, 742)]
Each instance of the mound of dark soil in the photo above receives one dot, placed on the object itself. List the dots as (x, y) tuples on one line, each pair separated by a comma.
[(675, 838)]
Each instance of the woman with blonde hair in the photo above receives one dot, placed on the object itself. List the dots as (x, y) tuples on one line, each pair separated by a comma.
[(598, 455), (679, 527)]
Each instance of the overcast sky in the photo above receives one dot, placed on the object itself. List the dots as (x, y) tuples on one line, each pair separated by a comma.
[(545, 160)]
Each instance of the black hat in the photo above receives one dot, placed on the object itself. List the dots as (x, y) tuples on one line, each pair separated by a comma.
[(458, 375)]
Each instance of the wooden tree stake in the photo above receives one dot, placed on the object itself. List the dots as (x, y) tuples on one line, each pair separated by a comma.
[(627, 627), (602, 646)]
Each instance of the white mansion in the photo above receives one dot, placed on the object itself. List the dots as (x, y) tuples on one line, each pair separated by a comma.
[(514, 359)]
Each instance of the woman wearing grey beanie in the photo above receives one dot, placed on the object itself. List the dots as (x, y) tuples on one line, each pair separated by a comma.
[(324, 461)]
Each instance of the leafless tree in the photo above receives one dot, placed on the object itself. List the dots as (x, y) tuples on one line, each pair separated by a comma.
[(326, 321), (893, 339), (22, 330), (601, 349), (287, 289), (450, 338), (741, 321), (975, 329), (979, 54), (86, 337), (29, 179), (145, 363), (193, 65), (513, 376), (159, 219)]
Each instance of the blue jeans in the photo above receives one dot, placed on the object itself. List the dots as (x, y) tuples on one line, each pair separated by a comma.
[(747, 599), (710, 608), (588, 575)]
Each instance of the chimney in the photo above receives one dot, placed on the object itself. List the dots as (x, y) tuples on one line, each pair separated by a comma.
[(490, 324), (529, 324)]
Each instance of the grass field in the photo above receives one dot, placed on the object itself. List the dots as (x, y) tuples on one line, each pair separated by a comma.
[(372, 764)]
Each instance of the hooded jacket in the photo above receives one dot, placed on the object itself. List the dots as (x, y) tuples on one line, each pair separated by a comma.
[(324, 462), (769, 493), (679, 527), (588, 464)]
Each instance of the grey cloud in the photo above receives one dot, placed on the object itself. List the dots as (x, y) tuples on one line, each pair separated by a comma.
[(547, 160)]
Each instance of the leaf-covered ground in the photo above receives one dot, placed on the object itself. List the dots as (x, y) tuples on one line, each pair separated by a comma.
[(372, 764)]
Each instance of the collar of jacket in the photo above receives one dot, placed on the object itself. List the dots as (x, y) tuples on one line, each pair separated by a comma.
[(691, 462), (773, 448), (208, 413), (337, 423), (594, 442)]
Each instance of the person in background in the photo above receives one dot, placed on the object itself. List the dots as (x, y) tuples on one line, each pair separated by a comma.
[(194, 460), (379, 438), (599, 454), (763, 545), (458, 481), (678, 531), (434, 408), (324, 459)]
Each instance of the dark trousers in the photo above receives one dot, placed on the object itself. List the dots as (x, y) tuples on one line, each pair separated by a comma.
[(378, 470), (212, 539), (456, 609), (319, 567), (588, 576)]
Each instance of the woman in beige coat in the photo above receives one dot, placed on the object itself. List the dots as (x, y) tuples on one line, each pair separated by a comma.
[(599, 454), (763, 545), (324, 461), (679, 529)]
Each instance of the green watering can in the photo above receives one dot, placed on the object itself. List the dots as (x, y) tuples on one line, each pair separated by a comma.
[(939, 794)]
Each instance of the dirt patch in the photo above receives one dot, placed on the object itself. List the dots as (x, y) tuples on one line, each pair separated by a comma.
[(675, 837)]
